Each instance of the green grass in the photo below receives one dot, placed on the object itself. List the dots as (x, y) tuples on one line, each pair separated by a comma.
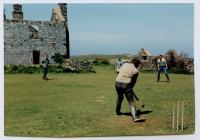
[(84, 105), (93, 56)]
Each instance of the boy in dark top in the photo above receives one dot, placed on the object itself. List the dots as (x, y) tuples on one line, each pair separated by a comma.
[(45, 64)]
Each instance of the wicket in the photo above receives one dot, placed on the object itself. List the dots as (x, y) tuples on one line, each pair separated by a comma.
[(178, 114)]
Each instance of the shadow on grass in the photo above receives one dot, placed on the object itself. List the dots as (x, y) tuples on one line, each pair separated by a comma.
[(51, 79), (139, 112), (164, 81), (127, 113)]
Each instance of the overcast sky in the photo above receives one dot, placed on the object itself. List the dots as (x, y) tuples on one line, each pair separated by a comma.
[(123, 28)]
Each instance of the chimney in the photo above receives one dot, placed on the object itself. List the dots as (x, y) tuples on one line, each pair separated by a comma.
[(17, 13)]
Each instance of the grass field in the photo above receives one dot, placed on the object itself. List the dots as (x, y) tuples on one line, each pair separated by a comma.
[(83, 104)]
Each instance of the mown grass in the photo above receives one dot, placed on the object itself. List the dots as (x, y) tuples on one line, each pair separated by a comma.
[(84, 105)]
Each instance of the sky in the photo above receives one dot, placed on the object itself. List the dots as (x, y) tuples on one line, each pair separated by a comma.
[(123, 28)]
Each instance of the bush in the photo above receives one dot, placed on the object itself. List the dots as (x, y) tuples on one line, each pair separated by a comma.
[(180, 71), (56, 69), (100, 61), (12, 69), (21, 69), (58, 58)]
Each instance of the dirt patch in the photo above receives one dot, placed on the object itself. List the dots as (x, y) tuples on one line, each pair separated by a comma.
[(127, 122), (100, 99)]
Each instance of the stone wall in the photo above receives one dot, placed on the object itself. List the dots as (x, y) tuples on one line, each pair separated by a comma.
[(79, 65), (19, 44)]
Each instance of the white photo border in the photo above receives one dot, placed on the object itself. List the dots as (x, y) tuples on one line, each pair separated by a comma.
[(196, 70)]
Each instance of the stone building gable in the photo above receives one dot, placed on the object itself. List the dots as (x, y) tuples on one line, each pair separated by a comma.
[(28, 41), (22, 40), (34, 31)]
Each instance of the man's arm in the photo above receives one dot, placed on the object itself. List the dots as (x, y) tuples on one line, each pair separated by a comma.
[(134, 79), (166, 64), (157, 65)]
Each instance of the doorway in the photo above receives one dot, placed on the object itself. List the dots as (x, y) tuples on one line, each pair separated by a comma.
[(36, 57)]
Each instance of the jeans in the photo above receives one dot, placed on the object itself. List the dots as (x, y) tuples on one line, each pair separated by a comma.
[(162, 69)]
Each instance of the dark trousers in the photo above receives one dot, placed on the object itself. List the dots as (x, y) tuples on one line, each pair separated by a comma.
[(45, 71), (124, 89)]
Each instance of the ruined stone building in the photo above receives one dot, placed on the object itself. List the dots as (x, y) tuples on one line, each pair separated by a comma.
[(146, 59), (28, 41), (144, 55)]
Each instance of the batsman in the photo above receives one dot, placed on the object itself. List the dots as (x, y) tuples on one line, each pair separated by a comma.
[(124, 85)]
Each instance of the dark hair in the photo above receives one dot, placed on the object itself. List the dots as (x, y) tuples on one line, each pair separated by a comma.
[(135, 61)]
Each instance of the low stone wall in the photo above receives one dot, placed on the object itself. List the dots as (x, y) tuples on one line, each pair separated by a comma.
[(69, 66), (79, 65)]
